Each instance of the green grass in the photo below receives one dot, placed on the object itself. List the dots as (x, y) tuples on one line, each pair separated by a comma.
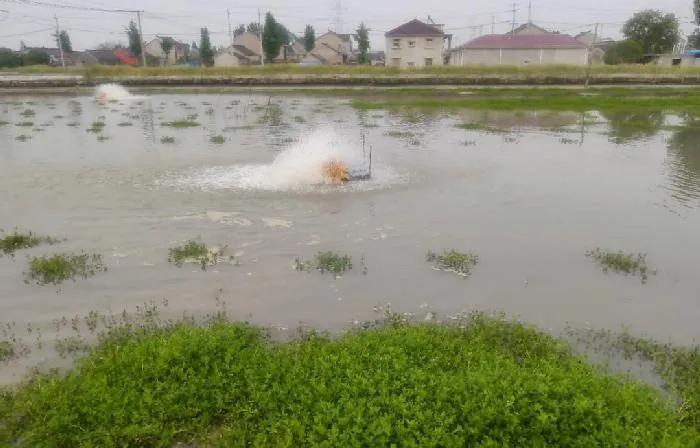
[(480, 382), (184, 123), (196, 251), (326, 261), (57, 268), (167, 139), (15, 241), (452, 260), (621, 262), (219, 139)]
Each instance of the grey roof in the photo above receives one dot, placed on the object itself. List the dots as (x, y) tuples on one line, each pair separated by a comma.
[(414, 28), (245, 51)]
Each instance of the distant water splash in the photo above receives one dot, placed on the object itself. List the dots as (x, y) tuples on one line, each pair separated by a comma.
[(297, 169), (114, 92)]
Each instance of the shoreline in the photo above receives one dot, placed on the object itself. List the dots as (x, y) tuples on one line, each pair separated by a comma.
[(19, 81)]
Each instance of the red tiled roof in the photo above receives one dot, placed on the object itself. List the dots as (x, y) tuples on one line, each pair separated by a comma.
[(524, 41), (126, 57), (414, 28)]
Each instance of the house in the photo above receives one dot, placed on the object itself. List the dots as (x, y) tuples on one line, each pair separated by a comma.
[(178, 50), (529, 29), (416, 44), (516, 49), (251, 43), (376, 58), (333, 48), (235, 55), (118, 56)]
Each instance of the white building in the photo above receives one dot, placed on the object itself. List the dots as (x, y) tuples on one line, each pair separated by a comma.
[(415, 44)]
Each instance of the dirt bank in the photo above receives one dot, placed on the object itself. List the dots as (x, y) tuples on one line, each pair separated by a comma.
[(19, 81)]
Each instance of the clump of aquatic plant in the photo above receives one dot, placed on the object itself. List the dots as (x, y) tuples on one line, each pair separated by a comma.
[(568, 141), (183, 123), (125, 123), (621, 262), (7, 351), (210, 111), (12, 242), (23, 138), (399, 134), (492, 381), (217, 139), (299, 119), (73, 124), (57, 268), (4, 123), (326, 261), (96, 127), (25, 124), (481, 127), (167, 139), (452, 260), (468, 142), (196, 251), (28, 113), (102, 138), (70, 346)]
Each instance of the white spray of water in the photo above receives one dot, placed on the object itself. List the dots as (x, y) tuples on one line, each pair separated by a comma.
[(113, 92), (299, 168)]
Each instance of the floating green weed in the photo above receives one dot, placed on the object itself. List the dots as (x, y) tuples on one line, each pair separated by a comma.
[(185, 123), (452, 260), (167, 139), (621, 262), (125, 124), (23, 138), (103, 138), (96, 127), (399, 134), (12, 242), (57, 268), (25, 124), (482, 381), (4, 123), (196, 251), (28, 113), (71, 345), (73, 124), (217, 139), (326, 261), (299, 119), (7, 351)]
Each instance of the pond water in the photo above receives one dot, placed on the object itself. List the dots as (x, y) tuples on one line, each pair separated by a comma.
[(529, 192)]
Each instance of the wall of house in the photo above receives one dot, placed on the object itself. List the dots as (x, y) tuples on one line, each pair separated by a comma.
[(330, 47), (250, 41), (414, 51), (511, 56), (226, 59), (154, 48)]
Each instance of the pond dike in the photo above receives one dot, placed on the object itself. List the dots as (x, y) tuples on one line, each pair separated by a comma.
[(22, 81)]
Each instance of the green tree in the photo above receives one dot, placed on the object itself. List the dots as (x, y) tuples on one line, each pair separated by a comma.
[(309, 38), (166, 43), (240, 29), (627, 51), (361, 36), (694, 39), (63, 41), (253, 27), (656, 31), (35, 57), (206, 53), (272, 37), (9, 59), (132, 32)]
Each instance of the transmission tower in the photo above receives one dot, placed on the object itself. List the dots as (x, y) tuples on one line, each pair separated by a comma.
[(338, 20)]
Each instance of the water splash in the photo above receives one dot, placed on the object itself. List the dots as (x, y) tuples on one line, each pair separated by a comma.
[(298, 169), (113, 92)]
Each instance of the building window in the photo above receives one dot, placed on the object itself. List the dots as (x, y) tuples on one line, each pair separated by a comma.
[(411, 44), (429, 42), (396, 44), (396, 61), (428, 61)]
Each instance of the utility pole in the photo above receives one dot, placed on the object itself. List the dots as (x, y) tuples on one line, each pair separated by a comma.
[(529, 12), (143, 50), (59, 41), (262, 54), (230, 31), (493, 22), (512, 28), (589, 55)]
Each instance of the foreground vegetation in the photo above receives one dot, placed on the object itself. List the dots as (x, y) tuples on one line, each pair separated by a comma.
[(481, 381), (15, 241)]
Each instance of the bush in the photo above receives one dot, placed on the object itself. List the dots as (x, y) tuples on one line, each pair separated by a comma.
[(484, 383), (627, 51)]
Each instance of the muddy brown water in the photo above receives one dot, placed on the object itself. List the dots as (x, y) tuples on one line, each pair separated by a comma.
[(530, 202)]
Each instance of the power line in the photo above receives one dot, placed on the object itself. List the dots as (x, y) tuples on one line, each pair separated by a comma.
[(60, 6), (43, 30)]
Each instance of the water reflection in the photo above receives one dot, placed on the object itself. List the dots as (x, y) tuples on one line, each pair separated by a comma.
[(684, 161), (630, 126), (520, 119)]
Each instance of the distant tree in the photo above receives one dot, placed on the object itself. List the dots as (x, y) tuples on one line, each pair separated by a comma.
[(361, 36), (627, 51), (63, 41), (166, 44), (109, 45), (206, 52), (655, 31), (240, 29), (132, 32), (35, 57), (309, 38), (272, 37), (694, 39), (253, 27), (10, 59)]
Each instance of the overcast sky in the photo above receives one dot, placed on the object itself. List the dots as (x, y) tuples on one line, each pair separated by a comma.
[(31, 22)]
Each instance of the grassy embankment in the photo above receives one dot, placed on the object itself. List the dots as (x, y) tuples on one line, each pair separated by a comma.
[(479, 381)]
